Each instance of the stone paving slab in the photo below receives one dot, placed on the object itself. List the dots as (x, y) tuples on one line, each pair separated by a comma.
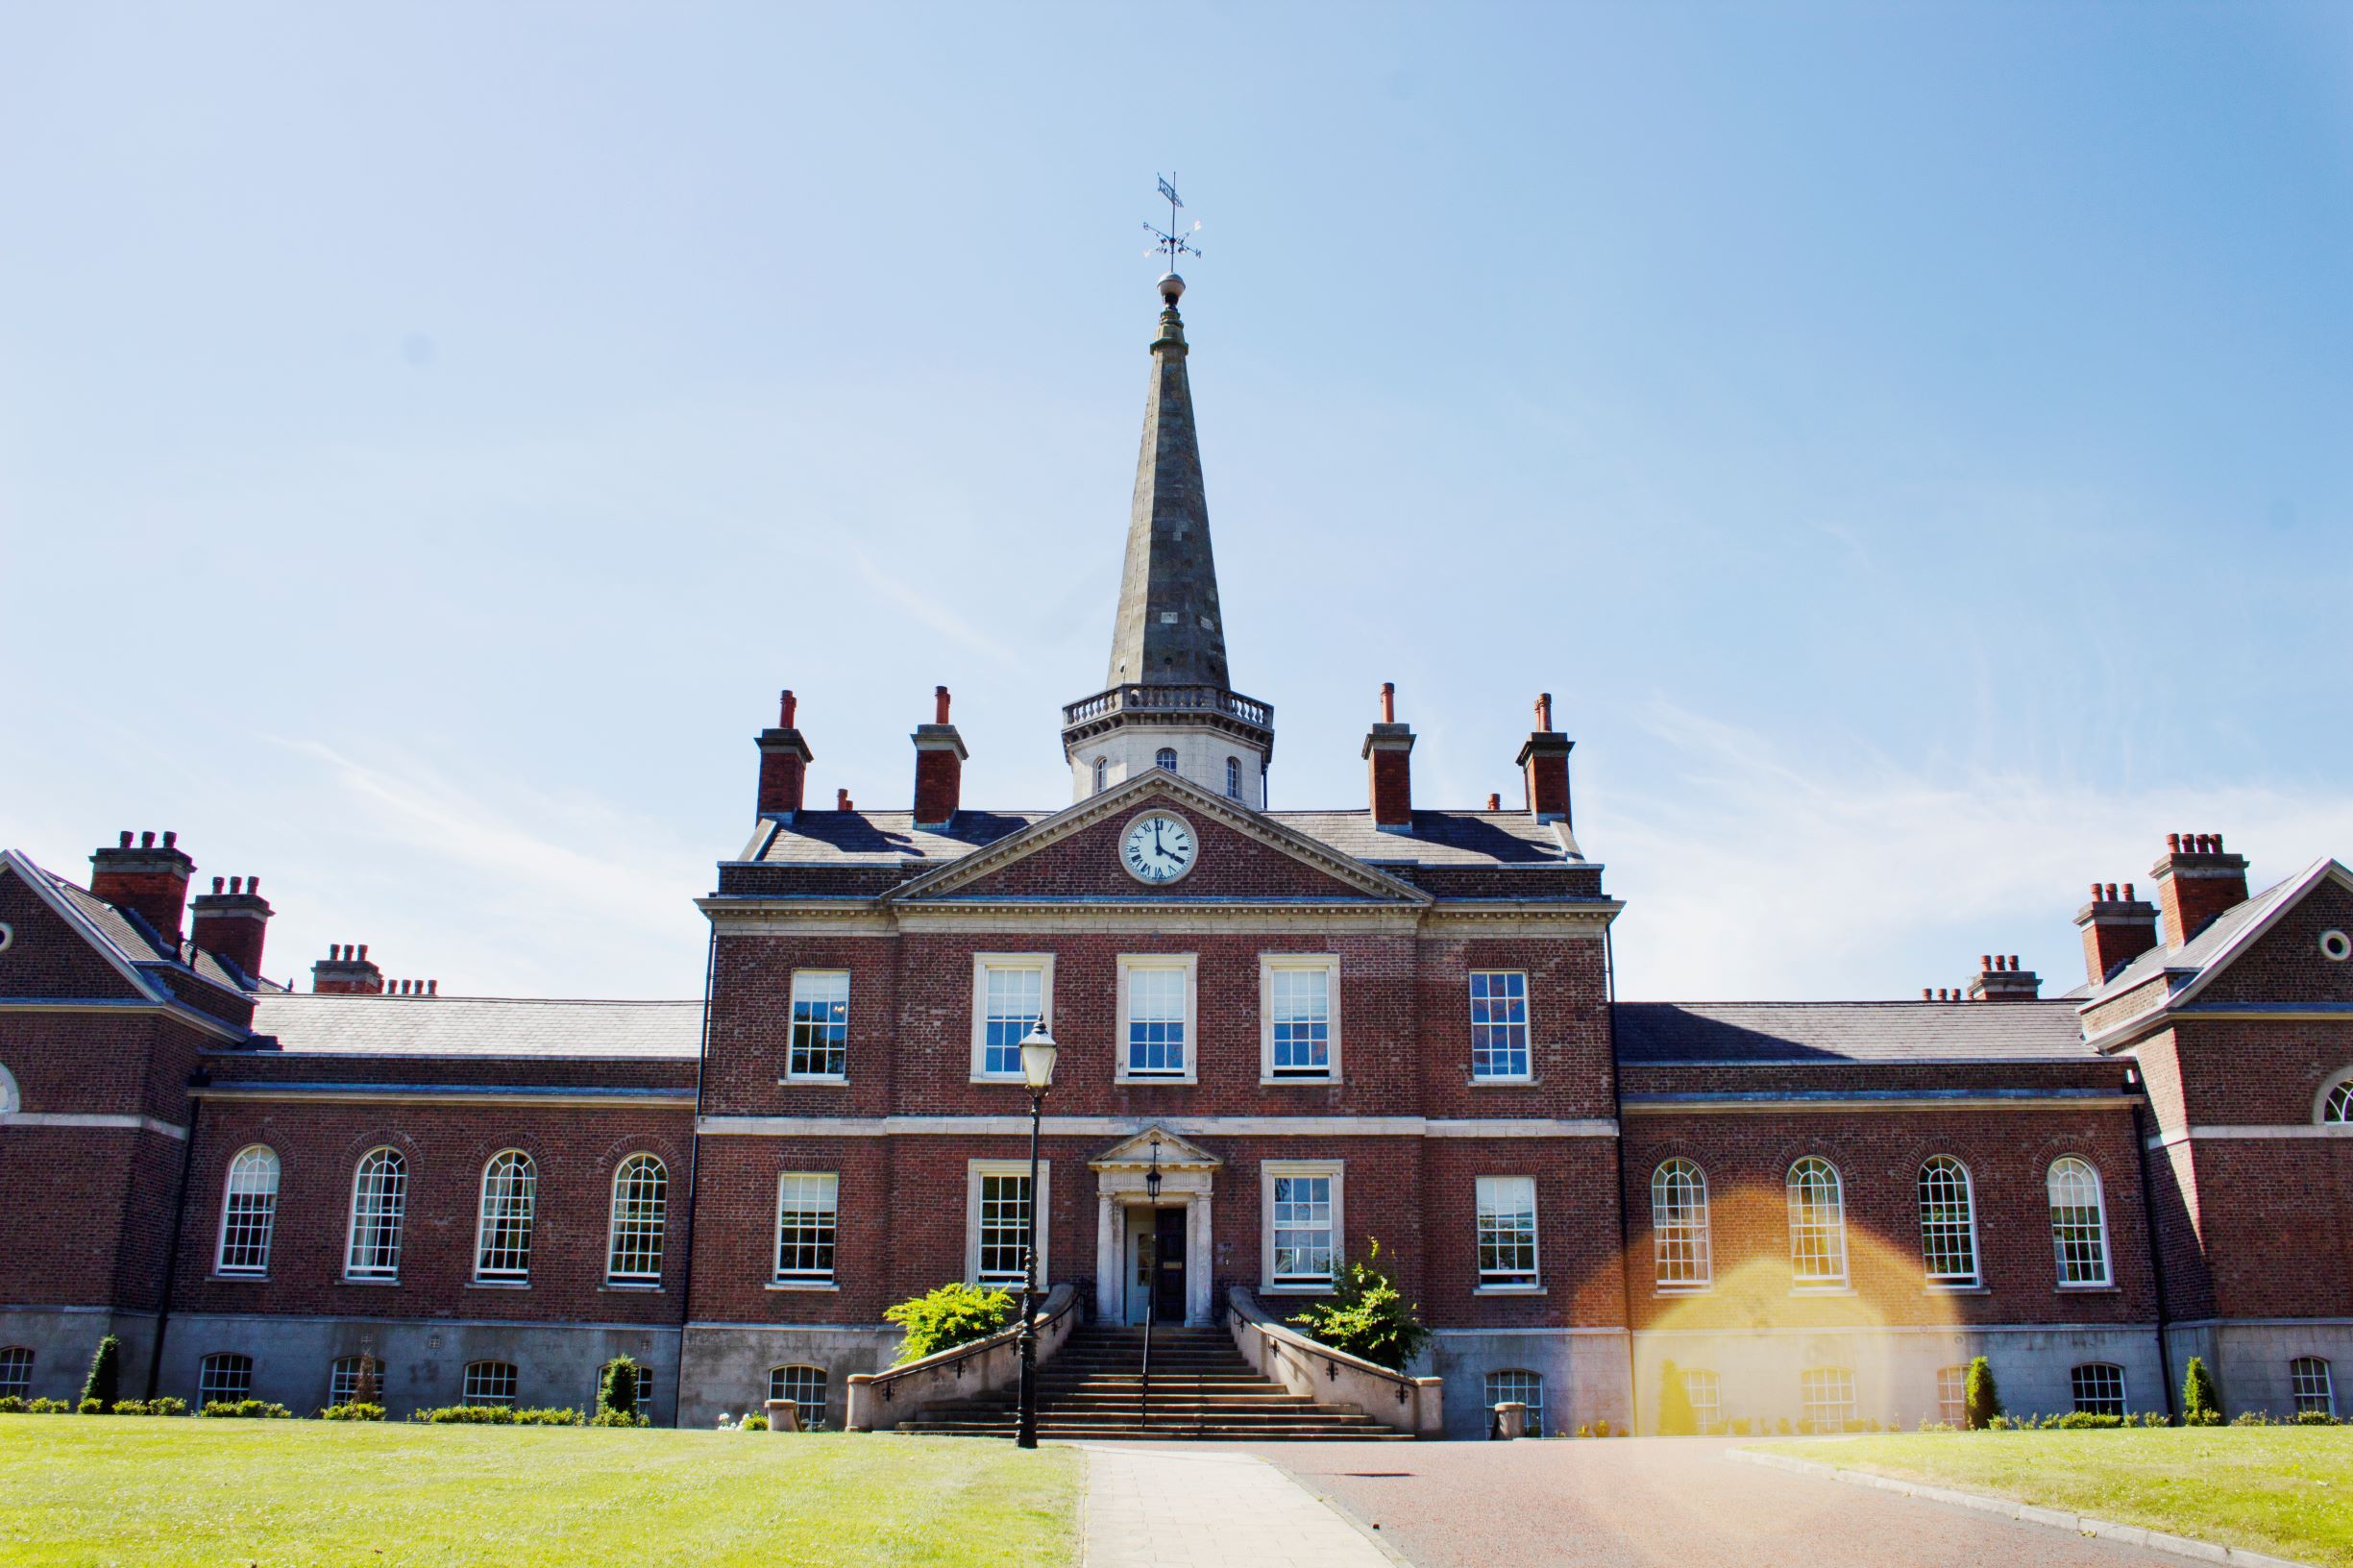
[(1211, 1507)]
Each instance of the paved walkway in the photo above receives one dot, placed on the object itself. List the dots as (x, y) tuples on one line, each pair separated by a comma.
[(1651, 1503), (1211, 1507)]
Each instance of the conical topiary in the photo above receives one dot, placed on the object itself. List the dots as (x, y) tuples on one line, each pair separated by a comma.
[(106, 1373), (364, 1391), (618, 1391), (1676, 1416), (2201, 1405), (1981, 1399)]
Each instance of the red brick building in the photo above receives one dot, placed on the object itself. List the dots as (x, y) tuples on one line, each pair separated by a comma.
[(1389, 1021)]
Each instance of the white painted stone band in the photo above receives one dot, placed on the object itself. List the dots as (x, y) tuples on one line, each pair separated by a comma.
[(1113, 1126), (77, 1119), (2292, 1129), (2080, 1524)]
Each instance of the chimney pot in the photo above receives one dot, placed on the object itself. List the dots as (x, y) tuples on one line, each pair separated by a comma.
[(170, 839), (2128, 893), (1985, 961), (363, 951), (784, 709), (840, 800), (147, 840), (1495, 802), (125, 838), (1544, 710), (432, 988), (939, 702), (216, 884), (1388, 702), (2172, 843), (1923, 993)]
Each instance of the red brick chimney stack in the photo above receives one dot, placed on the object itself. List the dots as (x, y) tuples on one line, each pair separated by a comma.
[(939, 767), (1544, 766), (1999, 978), (346, 971), (1388, 756), (2116, 929), (784, 764), (230, 925), (149, 880), (2196, 882)]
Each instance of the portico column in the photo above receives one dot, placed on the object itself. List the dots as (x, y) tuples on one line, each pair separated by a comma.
[(1109, 1302), (1198, 1260)]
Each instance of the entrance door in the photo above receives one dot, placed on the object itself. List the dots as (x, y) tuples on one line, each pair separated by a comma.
[(1139, 1222), (1169, 1230)]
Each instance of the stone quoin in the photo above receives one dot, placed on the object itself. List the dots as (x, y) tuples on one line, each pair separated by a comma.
[(1286, 1035)]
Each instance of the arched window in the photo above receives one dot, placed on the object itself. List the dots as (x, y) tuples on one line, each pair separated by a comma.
[(248, 1211), (17, 1372), (804, 1387), (2308, 1381), (1233, 778), (1528, 1388), (2099, 1387), (379, 1201), (502, 1242), (1678, 1223), (641, 1189), (1817, 1224), (343, 1381), (1164, 757), (10, 1101), (1948, 1222), (2078, 1225), (1102, 774), (490, 1382), (224, 1378), (2337, 1112)]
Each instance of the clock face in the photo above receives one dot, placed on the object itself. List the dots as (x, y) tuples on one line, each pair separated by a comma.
[(1158, 847)]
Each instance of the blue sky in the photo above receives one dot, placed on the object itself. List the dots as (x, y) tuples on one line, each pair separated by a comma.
[(1911, 442)]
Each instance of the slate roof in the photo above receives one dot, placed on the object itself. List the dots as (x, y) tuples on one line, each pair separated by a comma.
[(2199, 950), (891, 838), (1669, 1034), (134, 940), (479, 1026)]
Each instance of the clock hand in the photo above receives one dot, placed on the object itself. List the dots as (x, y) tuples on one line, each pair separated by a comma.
[(1159, 848)]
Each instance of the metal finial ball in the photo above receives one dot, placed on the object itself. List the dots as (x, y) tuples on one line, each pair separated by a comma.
[(1171, 287)]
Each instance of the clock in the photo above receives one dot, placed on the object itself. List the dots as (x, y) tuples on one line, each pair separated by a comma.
[(1158, 847)]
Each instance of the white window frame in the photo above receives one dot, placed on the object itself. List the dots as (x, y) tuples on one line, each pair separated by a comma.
[(781, 1382), (1953, 1395), (470, 1385), (1527, 1026), (1529, 1382), (654, 1230), (1041, 1205), (794, 1025), (1269, 965), (1826, 1388), (645, 1386), (1233, 778), (2059, 1244), (1950, 1280), (1165, 758), (257, 1225), (397, 1208), (17, 1363), (2074, 1388), (981, 963), (2312, 1384), (505, 1275), (209, 1380), (1833, 1231), (1187, 964), (343, 1386), (2333, 1106), (1268, 1171), (1703, 1388), (10, 1100), (1102, 775), (1694, 1233), (1528, 1281), (827, 1277)]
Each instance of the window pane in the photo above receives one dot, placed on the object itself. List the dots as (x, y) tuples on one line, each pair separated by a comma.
[(821, 1025), (1004, 1229), (806, 1210), (510, 1185), (640, 1203), (1705, 1391), (1953, 1395), (343, 1381), (2309, 1380), (1817, 1224), (379, 1198), (249, 1210), (224, 1377), (804, 1386), (1678, 1223), (1015, 997), (1528, 1388), (2098, 1389), (1155, 1021), (1507, 1230), (2340, 1104), (1948, 1223), (1499, 1024), (1302, 1230), (1829, 1396), (16, 1372), (490, 1382), (1302, 1021), (2078, 1231)]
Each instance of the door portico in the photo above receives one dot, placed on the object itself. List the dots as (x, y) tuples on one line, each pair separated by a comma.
[(1122, 1185)]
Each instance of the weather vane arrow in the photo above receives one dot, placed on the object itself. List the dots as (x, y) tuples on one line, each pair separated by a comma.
[(1172, 241)]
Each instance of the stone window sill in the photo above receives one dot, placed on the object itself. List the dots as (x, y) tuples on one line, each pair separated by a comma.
[(1150, 1080), (791, 1082), (1823, 1290), (226, 1277), (497, 1285), (2089, 1290), (1300, 1080), (1508, 1290), (634, 1288), (1503, 1082), (1692, 1290), (1294, 1289), (1958, 1290), (367, 1282), (803, 1285)]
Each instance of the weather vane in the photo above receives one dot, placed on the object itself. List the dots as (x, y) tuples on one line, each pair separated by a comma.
[(1172, 241)]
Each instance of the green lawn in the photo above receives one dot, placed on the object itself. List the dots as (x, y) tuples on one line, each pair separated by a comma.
[(2286, 1490), (165, 1491)]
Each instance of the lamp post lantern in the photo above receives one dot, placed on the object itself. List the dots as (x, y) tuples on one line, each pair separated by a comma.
[(1038, 1053)]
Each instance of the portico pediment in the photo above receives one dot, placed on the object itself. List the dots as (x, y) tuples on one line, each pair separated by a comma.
[(1134, 1153)]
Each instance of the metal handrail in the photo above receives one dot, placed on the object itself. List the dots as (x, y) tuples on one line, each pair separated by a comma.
[(1151, 1310)]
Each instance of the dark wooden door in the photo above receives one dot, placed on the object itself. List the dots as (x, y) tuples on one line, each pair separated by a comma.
[(1168, 1238)]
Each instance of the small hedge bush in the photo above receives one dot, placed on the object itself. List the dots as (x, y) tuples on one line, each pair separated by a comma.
[(259, 1409), (163, 1406), (1676, 1416), (620, 1418), (1367, 1317), (46, 1406), (356, 1410), (953, 1314), (499, 1415), (754, 1423)]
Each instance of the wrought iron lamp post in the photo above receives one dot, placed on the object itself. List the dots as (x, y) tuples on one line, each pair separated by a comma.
[(1038, 1053), (1151, 1293)]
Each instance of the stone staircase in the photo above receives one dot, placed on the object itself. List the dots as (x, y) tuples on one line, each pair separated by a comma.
[(1202, 1389)]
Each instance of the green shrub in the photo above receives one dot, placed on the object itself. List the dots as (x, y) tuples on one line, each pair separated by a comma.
[(92, 1406), (258, 1409), (2200, 1405), (1676, 1416), (2002, 1423), (105, 1375), (2314, 1418), (2084, 1421), (1980, 1398), (165, 1406), (2253, 1418), (465, 1415), (550, 1416), (1367, 1317), (2155, 1418), (951, 1315), (620, 1418), (356, 1410), (1741, 1425), (11, 1405), (617, 1386), (365, 1391), (755, 1423), (46, 1406)]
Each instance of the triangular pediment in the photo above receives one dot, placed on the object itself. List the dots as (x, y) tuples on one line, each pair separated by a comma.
[(1310, 871), (2281, 928), (1134, 1153)]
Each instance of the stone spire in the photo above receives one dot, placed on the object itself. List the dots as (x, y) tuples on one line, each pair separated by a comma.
[(1168, 632)]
